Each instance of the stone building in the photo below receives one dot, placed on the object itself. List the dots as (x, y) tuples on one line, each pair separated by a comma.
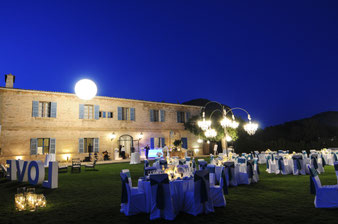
[(34, 123)]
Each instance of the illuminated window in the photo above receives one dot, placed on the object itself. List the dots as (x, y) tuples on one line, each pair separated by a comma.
[(88, 111), (43, 146), (44, 109)]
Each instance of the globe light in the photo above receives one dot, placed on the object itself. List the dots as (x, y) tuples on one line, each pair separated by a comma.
[(226, 122), (208, 142), (228, 138), (199, 140), (210, 133), (140, 136), (85, 89), (251, 128)]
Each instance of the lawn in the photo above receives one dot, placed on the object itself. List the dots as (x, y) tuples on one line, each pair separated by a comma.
[(94, 197)]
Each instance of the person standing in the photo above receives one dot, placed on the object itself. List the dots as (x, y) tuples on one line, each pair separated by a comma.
[(166, 150), (123, 152), (147, 150)]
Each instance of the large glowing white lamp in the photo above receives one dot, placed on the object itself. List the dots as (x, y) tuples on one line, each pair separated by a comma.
[(85, 89)]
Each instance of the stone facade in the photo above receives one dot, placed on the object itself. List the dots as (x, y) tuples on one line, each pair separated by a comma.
[(19, 126)]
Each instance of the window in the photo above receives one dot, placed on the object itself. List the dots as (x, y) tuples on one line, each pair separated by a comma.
[(43, 146), (125, 113), (102, 114), (88, 111), (157, 115), (109, 114), (44, 109), (88, 145), (180, 117)]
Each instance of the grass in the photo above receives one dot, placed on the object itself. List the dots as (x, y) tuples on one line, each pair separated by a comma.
[(94, 197)]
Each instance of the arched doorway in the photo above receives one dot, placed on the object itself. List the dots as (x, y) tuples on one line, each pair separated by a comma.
[(127, 142)]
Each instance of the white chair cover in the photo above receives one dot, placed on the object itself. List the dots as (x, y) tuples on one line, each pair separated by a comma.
[(133, 201), (135, 158), (194, 203), (326, 196), (242, 176), (160, 189), (217, 194)]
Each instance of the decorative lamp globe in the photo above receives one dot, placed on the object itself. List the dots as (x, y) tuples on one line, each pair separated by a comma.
[(228, 138), (85, 89), (251, 128), (204, 124), (226, 122), (199, 140)]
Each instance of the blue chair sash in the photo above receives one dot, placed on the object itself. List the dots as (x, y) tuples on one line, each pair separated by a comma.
[(298, 164), (323, 161), (229, 165), (159, 180), (188, 159), (181, 161), (250, 168), (267, 162), (314, 162), (280, 163), (313, 174), (124, 195), (335, 157), (241, 160), (336, 166), (203, 177), (202, 164), (225, 184)]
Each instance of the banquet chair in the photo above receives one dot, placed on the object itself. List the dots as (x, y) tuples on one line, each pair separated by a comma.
[(298, 165), (212, 176), (316, 163), (242, 175), (230, 174), (326, 196), (198, 200), (256, 172), (250, 170), (336, 169), (217, 191), (280, 165), (132, 200), (146, 163), (161, 201), (202, 164), (304, 153)]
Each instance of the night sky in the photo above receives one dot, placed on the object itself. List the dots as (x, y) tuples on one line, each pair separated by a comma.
[(277, 59)]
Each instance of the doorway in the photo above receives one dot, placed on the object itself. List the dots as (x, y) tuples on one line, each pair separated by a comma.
[(127, 142)]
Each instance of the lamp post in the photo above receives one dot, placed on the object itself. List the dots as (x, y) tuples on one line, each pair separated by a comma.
[(209, 132)]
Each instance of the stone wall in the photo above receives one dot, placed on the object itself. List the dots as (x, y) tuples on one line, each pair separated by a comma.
[(18, 125)]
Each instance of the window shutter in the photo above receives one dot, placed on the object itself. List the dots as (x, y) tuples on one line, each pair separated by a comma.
[(81, 145), (162, 115), (119, 113), (187, 116), (96, 111), (34, 146), (81, 111), (132, 114), (104, 114), (96, 145), (152, 143), (162, 142), (151, 115), (178, 117), (184, 143), (35, 110), (52, 145), (53, 107)]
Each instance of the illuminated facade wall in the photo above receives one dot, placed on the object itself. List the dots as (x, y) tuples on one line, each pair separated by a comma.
[(58, 122)]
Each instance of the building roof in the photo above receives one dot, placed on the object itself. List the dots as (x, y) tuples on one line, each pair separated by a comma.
[(99, 97)]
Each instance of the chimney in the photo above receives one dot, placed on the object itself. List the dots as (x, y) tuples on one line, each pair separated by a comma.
[(9, 79)]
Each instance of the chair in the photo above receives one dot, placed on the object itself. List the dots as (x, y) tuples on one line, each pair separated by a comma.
[(256, 172), (326, 196), (230, 175), (199, 199), (161, 201), (163, 164), (212, 177), (63, 168), (280, 165), (217, 192), (298, 166), (76, 165), (202, 164), (91, 166), (242, 175), (132, 200), (336, 169)]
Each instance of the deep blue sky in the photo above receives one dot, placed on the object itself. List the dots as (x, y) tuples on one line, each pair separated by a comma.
[(277, 59)]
